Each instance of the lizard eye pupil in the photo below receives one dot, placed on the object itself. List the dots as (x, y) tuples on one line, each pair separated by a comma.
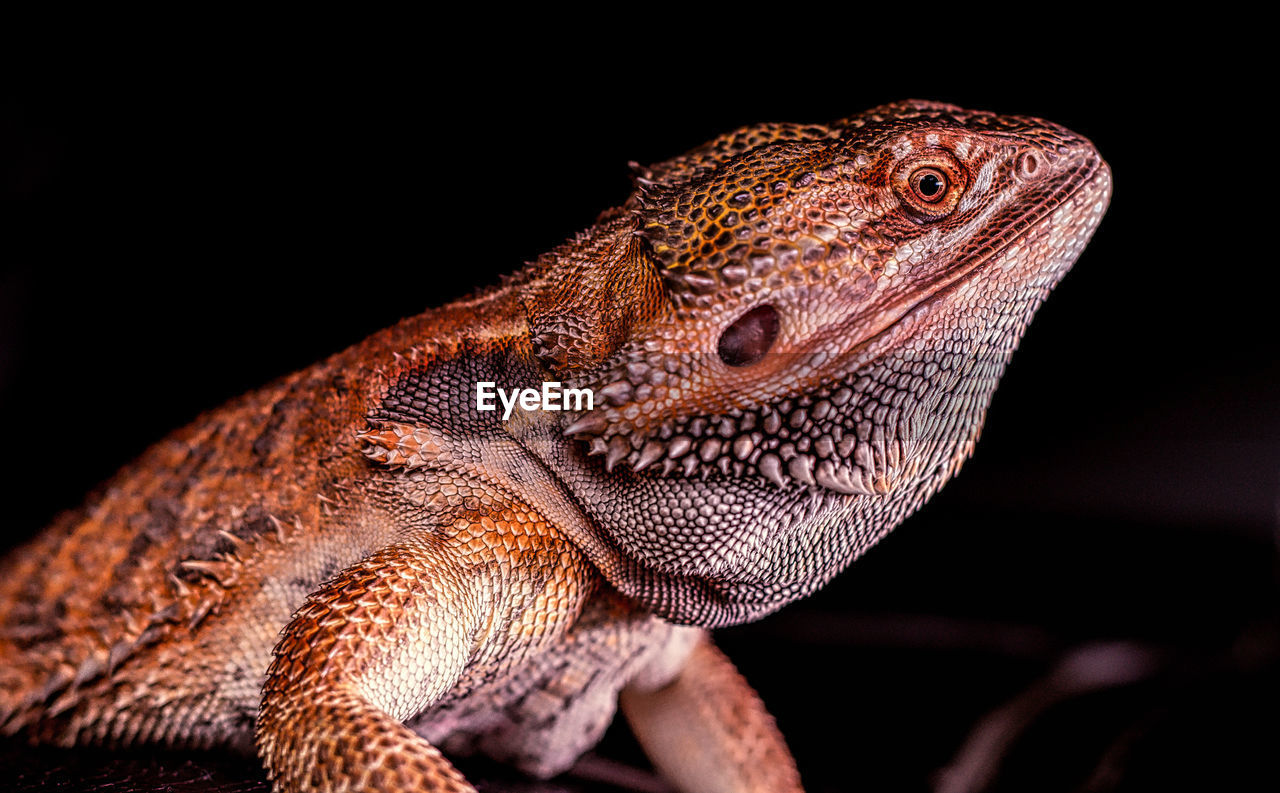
[(748, 339), (929, 184)]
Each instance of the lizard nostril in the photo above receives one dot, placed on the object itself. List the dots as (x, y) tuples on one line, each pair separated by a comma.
[(750, 336), (1028, 165)]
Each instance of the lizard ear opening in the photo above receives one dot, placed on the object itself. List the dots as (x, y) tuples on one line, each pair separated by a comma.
[(591, 293), (750, 337)]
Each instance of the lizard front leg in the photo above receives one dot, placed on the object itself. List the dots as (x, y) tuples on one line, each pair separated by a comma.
[(371, 648), (707, 731)]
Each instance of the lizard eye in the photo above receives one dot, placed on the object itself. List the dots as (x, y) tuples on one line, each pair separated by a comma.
[(750, 336), (929, 185)]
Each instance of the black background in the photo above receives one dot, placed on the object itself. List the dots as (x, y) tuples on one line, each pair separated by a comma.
[(176, 236)]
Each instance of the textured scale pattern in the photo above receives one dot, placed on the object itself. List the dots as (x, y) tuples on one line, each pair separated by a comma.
[(793, 333)]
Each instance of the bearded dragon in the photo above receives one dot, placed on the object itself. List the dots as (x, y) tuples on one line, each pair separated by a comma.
[(790, 336)]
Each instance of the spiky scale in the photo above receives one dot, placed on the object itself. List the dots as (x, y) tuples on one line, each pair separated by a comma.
[(651, 453), (771, 467), (618, 449)]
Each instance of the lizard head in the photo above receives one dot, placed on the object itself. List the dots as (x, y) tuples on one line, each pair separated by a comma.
[(820, 316)]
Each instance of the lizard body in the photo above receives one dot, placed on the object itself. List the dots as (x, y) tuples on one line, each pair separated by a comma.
[(792, 334)]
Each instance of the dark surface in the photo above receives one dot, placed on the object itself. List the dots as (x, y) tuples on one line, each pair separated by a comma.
[(174, 237)]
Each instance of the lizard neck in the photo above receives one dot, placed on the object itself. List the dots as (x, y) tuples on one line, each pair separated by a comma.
[(723, 550)]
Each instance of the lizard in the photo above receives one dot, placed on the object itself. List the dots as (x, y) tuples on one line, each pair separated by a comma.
[(790, 336)]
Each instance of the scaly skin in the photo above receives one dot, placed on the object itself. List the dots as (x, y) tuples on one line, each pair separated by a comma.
[(793, 333)]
